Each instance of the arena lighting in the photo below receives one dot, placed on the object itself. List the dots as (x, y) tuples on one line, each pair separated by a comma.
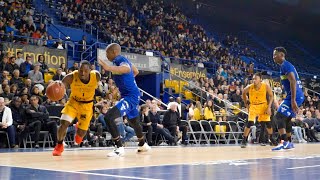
[(315, 77)]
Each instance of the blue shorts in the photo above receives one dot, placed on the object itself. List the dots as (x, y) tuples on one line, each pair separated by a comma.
[(129, 107), (285, 107)]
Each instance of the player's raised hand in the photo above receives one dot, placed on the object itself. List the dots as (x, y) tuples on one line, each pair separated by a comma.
[(103, 64)]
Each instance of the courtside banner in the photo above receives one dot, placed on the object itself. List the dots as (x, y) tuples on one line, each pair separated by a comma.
[(142, 62), (186, 72), (53, 57)]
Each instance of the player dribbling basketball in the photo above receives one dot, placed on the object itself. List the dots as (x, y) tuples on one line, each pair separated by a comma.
[(82, 83)]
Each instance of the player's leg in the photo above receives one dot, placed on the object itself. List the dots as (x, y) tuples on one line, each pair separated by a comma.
[(250, 122), (262, 133), (284, 125), (84, 117), (246, 133), (266, 123), (68, 115), (135, 124)]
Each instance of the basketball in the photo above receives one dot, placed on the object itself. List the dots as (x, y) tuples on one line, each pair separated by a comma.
[(55, 90)]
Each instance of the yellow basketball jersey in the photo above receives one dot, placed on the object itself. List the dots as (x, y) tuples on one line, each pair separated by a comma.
[(81, 91), (258, 96)]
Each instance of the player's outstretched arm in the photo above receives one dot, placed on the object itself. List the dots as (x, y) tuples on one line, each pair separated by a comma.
[(123, 69), (67, 80)]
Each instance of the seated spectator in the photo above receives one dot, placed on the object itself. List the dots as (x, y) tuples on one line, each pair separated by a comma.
[(16, 79), (38, 112), (190, 108), (75, 66), (5, 76), (64, 69), (297, 127), (182, 109), (6, 92), (58, 76), (14, 89), (43, 66), (172, 122), (19, 59), (35, 75), (198, 111), (310, 123), (12, 65), (158, 127), (6, 123), (209, 112), (26, 67), (4, 64), (36, 92), (23, 126), (146, 123)]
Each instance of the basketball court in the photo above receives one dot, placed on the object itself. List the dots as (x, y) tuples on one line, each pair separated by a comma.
[(190, 162)]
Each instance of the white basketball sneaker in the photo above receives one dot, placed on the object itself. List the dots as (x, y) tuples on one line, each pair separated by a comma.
[(144, 148), (116, 152)]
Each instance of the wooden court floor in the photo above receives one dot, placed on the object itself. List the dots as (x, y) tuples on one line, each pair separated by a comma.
[(81, 159)]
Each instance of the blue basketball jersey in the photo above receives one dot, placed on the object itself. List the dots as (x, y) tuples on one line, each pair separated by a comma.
[(126, 82), (285, 69)]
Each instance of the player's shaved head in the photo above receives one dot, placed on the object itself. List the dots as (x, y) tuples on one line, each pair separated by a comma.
[(113, 50)]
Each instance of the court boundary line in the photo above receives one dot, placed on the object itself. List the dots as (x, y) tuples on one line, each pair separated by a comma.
[(84, 172), (303, 167)]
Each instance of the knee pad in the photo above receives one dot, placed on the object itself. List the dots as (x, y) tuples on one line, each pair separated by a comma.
[(249, 124), (109, 118), (269, 124), (135, 124), (281, 120)]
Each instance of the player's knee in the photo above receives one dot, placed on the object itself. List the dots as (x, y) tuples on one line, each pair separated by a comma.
[(112, 114), (269, 124), (281, 120), (64, 124), (249, 124)]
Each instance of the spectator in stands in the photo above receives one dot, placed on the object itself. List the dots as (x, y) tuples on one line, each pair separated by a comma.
[(38, 112), (12, 65), (209, 112), (5, 76), (219, 102), (26, 67), (198, 111), (64, 69), (4, 64), (75, 66), (35, 75), (190, 108), (58, 75), (6, 123), (125, 130), (6, 92), (16, 79), (172, 122), (158, 127), (310, 124), (83, 44), (19, 59), (146, 123), (297, 127), (36, 92), (43, 66), (14, 89), (236, 97)]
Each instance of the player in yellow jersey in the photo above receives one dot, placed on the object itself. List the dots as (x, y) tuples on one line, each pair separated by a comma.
[(82, 83), (259, 105)]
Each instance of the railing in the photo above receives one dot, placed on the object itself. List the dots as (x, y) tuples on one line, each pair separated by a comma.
[(154, 98)]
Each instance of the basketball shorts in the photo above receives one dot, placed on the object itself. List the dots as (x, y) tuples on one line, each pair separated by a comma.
[(82, 111), (129, 107), (285, 107), (258, 111)]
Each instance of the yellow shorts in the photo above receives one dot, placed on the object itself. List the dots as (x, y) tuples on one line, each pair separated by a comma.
[(82, 111), (258, 111)]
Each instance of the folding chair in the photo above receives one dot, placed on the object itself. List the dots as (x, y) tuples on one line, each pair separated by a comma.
[(196, 130), (7, 136), (214, 125), (236, 131), (211, 135), (189, 133), (228, 132)]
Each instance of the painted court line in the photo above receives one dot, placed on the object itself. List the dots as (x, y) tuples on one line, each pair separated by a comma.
[(87, 173), (303, 167)]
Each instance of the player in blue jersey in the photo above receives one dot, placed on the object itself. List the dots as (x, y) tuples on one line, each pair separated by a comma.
[(290, 105), (124, 76)]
